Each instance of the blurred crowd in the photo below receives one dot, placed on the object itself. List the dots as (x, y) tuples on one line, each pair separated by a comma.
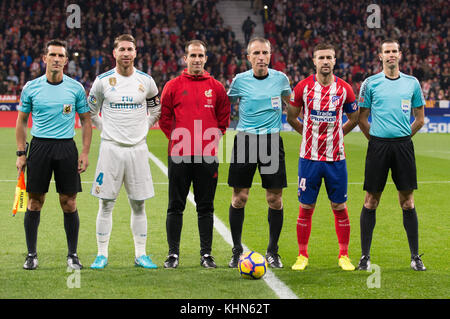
[(162, 27), (420, 26)]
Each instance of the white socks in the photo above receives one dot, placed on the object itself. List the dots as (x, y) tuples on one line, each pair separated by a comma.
[(138, 225), (104, 225)]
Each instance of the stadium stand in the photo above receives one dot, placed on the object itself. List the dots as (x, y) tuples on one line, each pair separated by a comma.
[(161, 28)]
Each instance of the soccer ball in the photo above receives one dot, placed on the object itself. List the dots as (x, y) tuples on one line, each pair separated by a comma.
[(252, 265)]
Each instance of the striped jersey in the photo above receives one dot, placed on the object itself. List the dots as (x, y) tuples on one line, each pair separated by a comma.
[(323, 107)]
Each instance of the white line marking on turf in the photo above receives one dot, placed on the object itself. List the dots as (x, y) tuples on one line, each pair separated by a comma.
[(279, 287)]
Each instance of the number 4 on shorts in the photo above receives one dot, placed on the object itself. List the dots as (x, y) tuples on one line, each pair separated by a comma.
[(99, 179), (302, 184)]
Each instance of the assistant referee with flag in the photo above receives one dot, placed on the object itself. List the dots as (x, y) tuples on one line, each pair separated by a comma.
[(53, 99)]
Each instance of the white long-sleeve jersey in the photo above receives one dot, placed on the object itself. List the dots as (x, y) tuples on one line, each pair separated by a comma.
[(121, 101)]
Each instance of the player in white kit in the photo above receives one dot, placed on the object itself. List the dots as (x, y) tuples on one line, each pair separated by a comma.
[(127, 100)]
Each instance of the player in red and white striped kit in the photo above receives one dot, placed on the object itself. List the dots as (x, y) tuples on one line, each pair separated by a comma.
[(321, 99)]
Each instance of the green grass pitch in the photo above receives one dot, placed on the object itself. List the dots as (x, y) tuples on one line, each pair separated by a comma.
[(323, 279)]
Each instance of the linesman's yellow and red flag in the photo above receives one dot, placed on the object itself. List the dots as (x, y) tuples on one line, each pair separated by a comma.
[(21, 197)]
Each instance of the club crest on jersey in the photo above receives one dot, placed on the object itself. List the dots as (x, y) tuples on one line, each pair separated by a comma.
[(335, 100), (141, 88), (67, 108), (208, 93), (112, 81)]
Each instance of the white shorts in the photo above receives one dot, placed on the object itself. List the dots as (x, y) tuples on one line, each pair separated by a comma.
[(123, 164)]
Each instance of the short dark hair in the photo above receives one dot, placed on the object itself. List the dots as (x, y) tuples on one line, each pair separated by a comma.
[(389, 40), (258, 39), (194, 42), (124, 37), (323, 46), (55, 42)]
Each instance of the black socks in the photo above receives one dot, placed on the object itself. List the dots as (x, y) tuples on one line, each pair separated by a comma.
[(367, 224), (275, 218), (31, 224), (72, 226), (236, 219), (411, 225), (410, 222)]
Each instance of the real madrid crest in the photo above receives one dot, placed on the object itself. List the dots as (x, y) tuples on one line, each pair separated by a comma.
[(112, 81), (141, 88)]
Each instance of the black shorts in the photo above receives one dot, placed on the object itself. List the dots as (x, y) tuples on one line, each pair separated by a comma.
[(53, 155), (263, 151), (396, 154)]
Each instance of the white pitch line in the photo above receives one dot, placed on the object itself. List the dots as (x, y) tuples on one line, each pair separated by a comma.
[(279, 287)]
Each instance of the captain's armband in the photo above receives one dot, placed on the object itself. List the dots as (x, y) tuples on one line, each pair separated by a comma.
[(152, 102)]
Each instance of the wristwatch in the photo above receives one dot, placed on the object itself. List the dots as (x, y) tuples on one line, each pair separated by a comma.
[(21, 153)]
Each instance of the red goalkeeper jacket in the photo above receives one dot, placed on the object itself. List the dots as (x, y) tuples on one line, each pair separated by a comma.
[(195, 113)]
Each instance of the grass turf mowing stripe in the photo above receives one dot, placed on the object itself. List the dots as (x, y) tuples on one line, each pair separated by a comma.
[(279, 287)]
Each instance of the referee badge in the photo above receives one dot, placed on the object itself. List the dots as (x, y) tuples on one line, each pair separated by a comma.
[(406, 106), (67, 108)]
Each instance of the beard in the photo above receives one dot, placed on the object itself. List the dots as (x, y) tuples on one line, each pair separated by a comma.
[(326, 73)]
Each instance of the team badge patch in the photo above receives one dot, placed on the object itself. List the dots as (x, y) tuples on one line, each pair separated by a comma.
[(141, 88), (208, 93), (335, 100), (112, 81), (67, 108)]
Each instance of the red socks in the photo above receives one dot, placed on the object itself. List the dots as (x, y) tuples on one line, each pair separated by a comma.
[(342, 224), (304, 229)]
